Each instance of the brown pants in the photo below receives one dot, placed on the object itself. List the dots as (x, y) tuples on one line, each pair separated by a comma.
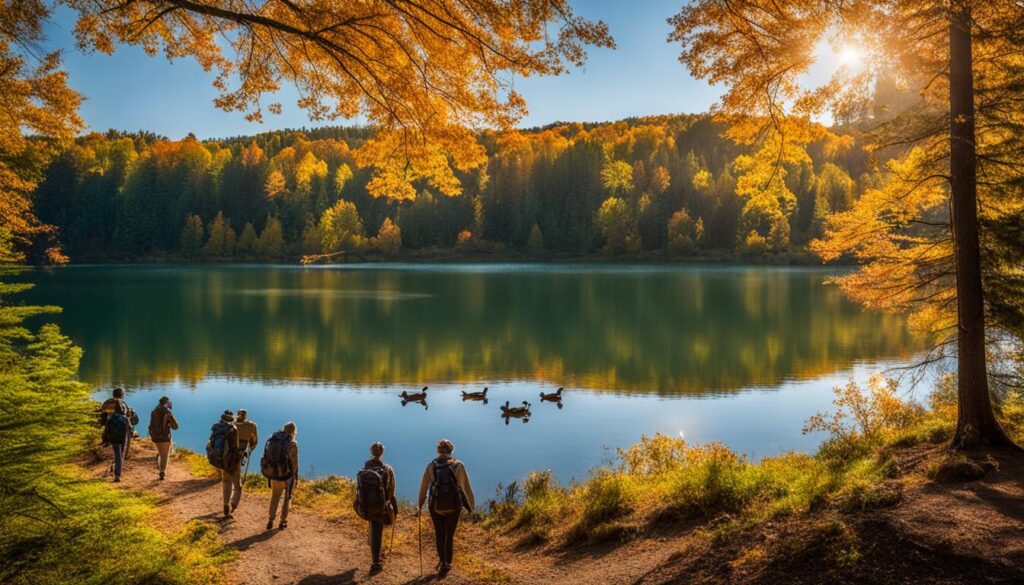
[(231, 482), (276, 489), (163, 452)]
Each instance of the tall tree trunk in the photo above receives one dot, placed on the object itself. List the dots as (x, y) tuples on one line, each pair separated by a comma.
[(976, 423)]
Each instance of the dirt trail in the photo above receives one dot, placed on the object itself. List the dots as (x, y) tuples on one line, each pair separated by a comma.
[(936, 534), (315, 550)]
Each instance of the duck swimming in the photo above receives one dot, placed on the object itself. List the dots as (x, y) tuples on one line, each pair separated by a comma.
[(520, 412), (516, 411), (475, 395), (415, 396), (555, 396)]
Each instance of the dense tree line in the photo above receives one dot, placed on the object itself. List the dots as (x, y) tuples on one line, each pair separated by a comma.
[(666, 183)]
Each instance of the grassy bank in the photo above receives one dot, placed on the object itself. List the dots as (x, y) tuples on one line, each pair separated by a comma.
[(664, 480), (58, 525)]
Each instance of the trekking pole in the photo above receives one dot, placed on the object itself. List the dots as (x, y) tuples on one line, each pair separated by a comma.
[(248, 458), (419, 538)]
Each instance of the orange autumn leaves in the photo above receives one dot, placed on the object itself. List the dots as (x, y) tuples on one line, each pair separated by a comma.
[(424, 73)]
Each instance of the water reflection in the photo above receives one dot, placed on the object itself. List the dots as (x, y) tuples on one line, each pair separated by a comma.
[(670, 330)]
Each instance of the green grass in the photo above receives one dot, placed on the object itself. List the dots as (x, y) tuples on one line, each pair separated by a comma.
[(663, 479), (104, 535)]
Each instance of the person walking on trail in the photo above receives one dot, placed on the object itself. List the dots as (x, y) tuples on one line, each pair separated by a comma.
[(117, 432), (222, 452), (280, 465), (375, 500), (110, 405), (161, 424), (248, 436), (449, 489)]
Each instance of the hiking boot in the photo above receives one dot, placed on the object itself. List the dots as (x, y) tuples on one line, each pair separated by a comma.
[(117, 479), (161, 476), (282, 525), (227, 512), (376, 568), (270, 525), (444, 570)]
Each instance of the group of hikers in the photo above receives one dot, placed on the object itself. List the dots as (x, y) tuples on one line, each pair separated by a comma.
[(444, 488)]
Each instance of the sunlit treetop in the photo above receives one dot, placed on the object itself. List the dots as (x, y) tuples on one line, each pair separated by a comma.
[(424, 73)]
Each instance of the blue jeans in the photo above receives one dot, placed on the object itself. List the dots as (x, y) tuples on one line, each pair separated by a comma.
[(118, 458)]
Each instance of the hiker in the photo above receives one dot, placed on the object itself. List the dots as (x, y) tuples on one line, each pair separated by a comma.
[(222, 452), (248, 434), (111, 404), (450, 492), (161, 423), (117, 432), (280, 465), (375, 500)]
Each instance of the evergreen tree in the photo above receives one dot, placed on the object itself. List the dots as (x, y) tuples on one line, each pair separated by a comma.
[(536, 242), (192, 236), (270, 244), (247, 241), (221, 241)]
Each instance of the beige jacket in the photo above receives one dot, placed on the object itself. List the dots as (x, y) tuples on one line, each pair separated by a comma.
[(461, 476), (248, 435)]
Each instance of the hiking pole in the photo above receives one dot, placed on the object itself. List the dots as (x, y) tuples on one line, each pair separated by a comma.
[(248, 458)]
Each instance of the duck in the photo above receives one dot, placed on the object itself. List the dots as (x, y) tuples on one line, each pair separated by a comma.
[(555, 396), (475, 395), (415, 396), (516, 411)]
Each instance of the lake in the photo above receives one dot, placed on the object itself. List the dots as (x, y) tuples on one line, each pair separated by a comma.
[(741, 355)]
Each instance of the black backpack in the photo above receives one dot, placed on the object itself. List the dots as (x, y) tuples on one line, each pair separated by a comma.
[(445, 494), (117, 428), (218, 449), (371, 502), (275, 463)]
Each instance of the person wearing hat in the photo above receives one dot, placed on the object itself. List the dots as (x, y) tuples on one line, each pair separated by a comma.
[(161, 424), (286, 487), (377, 475), (248, 435), (448, 485), (231, 473)]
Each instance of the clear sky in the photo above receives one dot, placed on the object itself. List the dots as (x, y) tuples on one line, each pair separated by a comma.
[(132, 91)]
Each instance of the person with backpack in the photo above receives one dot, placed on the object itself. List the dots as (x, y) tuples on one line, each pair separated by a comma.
[(110, 404), (375, 500), (222, 452), (161, 423), (248, 436), (280, 465), (448, 485), (117, 431)]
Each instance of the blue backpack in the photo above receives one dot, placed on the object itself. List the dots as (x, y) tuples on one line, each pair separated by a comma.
[(218, 450), (116, 429)]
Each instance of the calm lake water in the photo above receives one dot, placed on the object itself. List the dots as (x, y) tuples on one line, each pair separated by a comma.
[(732, 354)]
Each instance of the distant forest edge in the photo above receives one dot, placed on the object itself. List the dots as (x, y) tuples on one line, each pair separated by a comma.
[(657, 187)]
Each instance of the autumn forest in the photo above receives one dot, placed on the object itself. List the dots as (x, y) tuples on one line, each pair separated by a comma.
[(712, 291)]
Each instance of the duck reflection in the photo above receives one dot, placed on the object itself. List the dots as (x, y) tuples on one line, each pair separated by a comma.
[(520, 412), (417, 397), (475, 396), (555, 397)]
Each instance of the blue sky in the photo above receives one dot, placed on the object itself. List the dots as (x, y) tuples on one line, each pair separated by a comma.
[(132, 91)]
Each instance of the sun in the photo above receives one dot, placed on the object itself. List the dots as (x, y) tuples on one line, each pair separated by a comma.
[(850, 55)]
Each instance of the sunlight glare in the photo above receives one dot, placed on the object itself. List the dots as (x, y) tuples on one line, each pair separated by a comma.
[(850, 56)]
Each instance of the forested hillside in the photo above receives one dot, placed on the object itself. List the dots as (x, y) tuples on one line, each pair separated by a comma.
[(674, 184)]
